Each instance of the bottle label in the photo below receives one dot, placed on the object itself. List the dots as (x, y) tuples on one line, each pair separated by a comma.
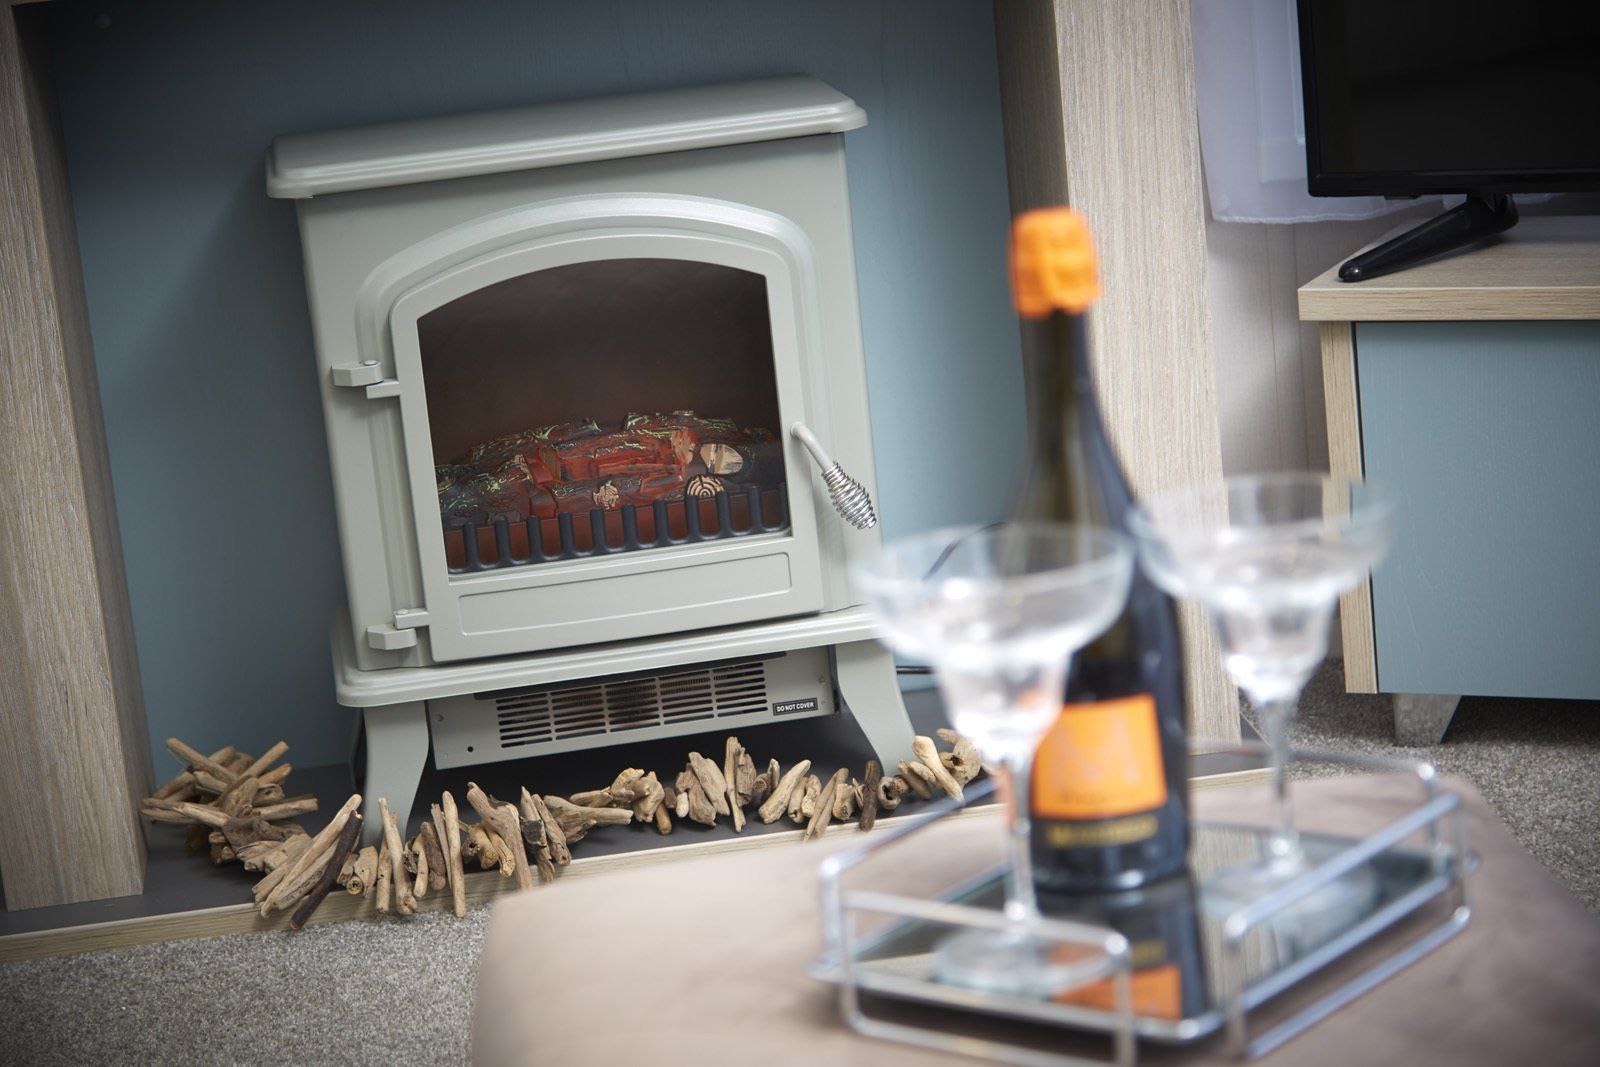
[(1100, 761), (1156, 992)]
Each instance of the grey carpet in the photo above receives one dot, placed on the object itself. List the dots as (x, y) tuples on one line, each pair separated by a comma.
[(401, 991), (1537, 763)]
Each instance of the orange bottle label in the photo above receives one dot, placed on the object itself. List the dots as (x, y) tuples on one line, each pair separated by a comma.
[(1157, 992), (1100, 761)]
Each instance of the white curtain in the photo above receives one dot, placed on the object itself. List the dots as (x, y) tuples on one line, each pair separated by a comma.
[(1252, 129)]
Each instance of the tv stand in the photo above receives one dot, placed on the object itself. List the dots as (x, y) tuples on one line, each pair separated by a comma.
[(1483, 215)]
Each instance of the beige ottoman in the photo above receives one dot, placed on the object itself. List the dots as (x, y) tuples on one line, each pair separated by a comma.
[(703, 961)]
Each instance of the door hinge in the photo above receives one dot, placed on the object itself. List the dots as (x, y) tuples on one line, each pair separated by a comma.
[(403, 634), (368, 375)]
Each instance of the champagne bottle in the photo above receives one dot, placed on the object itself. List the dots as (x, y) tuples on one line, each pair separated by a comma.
[(1109, 786), (1166, 949)]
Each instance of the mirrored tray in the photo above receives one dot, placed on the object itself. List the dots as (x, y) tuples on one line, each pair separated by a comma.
[(1167, 963)]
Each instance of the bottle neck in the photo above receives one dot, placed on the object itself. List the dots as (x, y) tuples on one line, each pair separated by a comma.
[(1059, 382)]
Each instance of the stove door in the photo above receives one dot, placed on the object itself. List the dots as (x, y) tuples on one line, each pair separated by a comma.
[(595, 433)]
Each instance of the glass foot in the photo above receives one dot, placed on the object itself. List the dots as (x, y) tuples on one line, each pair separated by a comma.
[(1012, 963), (1310, 921)]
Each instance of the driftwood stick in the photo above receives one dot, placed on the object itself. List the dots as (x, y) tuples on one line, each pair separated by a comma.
[(433, 852), (330, 873), (824, 806), (198, 761), (575, 821), (663, 818), (869, 795), (238, 796), (773, 808), (845, 799), (181, 782), (928, 753), (730, 777), (364, 873), (645, 805), (692, 799), (405, 902), (452, 855), (809, 799), (918, 777), (502, 818), (288, 809), (270, 890), (963, 761), (419, 862), (711, 780), (385, 877), (276, 775), (265, 760), (560, 851)]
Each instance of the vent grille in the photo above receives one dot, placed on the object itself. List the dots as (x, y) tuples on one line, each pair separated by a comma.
[(617, 705)]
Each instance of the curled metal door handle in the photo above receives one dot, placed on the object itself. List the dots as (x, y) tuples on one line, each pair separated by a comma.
[(850, 499)]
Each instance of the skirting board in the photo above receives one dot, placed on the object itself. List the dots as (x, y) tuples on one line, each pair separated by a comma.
[(481, 886)]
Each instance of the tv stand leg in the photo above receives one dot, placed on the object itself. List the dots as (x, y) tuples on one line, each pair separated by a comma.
[(865, 676), (1422, 719), (1483, 215), (397, 750)]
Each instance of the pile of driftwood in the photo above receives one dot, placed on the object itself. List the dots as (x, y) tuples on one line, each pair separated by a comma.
[(221, 797), (234, 804)]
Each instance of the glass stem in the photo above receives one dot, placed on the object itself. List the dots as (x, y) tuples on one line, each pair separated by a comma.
[(1284, 843), (1021, 903)]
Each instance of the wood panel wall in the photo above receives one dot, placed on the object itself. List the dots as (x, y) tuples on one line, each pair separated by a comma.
[(1100, 113), (73, 751)]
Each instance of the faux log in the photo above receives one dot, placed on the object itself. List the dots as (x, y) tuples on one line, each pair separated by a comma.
[(711, 780), (330, 873), (869, 795), (774, 807), (452, 856), (928, 753)]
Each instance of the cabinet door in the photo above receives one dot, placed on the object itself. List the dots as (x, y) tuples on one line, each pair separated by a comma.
[(1491, 432)]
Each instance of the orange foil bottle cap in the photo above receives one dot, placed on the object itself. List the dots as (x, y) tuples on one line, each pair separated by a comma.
[(1053, 265)]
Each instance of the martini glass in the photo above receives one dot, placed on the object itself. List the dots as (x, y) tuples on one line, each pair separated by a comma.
[(998, 612), (1267, 556)]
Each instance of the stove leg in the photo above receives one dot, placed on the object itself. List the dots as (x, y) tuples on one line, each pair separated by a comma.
[(865, 676), (397, 750)]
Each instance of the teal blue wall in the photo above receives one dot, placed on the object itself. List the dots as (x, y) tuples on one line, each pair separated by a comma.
[(197, 304)]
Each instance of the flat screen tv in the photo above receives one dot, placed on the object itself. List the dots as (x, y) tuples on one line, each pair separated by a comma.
[(1416, 97)]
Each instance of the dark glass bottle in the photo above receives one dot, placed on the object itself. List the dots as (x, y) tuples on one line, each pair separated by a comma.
[(1110, 783)]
